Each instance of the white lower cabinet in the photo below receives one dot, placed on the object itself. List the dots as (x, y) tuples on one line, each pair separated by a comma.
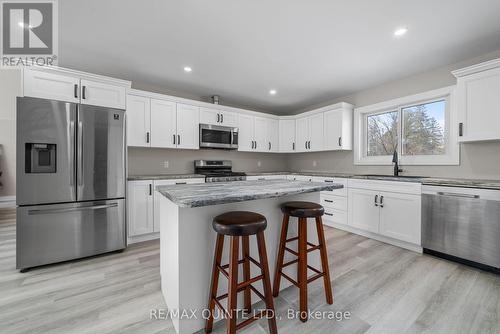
[(140, 207), (143, 207), (388, 209)]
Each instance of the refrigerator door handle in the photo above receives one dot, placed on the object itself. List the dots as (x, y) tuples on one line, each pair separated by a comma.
[(79, 154), (70, 144), (80, 208)]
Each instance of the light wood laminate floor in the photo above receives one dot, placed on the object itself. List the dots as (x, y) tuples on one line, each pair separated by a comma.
[(386, 289)]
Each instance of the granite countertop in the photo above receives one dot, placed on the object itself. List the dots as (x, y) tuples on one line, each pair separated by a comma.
[(197, 195), (164, 177)]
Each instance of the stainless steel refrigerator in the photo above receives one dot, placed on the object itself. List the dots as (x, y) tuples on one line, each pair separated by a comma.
[(70, 181)]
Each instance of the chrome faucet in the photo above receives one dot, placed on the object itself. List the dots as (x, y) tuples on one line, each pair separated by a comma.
[(395, 159)]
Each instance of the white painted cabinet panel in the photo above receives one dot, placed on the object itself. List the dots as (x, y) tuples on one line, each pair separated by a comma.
[(245, 134), (272, 135), (140, 215), (333, 129), (51, 86), (229, 118), (301, 134), (138, 121), (316, 132), (260, 134), (287, 135), (188, 120), (479, 105), (400, 216), (363, 211), (218, 117), (163, 123), (102, 94)]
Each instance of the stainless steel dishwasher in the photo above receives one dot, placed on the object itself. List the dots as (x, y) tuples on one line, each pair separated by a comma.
[(462, 224)]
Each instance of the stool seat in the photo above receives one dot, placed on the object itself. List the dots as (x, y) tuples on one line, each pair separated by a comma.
[(239, 223), (302, 209)]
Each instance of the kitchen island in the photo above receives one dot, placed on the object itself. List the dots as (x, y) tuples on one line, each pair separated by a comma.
[(187, 239)]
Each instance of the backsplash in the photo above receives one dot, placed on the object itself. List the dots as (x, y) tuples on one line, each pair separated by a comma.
[(148, 161)]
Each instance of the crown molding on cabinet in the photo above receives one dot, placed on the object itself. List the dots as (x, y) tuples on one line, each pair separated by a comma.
[(488, 65)]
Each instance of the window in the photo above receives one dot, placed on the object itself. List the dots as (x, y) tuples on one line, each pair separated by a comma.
[(382, 134), (417, 127)]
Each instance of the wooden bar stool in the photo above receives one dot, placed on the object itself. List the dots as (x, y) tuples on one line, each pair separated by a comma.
[(303, 210), (238, 224)]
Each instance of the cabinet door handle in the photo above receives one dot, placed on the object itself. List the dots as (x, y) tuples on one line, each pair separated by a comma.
[(178, 139), (381, 201), (328, 201), (340, 141), (150, 189), (218, 118), (329, 181), (328, 214), (269, 146), (222, 118), (147, 137), (180, 182), (306, 144), (376, 200), (293, 146), (83, 92), (460, 129), (256, 144), (174, 139), (76, 91)]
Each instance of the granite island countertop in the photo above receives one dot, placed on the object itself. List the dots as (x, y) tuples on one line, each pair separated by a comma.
[(197, 195)]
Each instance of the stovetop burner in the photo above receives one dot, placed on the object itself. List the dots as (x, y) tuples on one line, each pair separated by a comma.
[(217, 171)]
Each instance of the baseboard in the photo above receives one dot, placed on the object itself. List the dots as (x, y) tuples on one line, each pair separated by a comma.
[(7, 201), (378, 237), (141, 238)]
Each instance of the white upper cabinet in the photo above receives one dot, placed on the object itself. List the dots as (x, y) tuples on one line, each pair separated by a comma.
[(51, 86), (163, 123), (138, 121), (316, 135), (188, 121), (273, 135), (245, 133), (286, 135), (102, 94), (260, 134), (74, 86), (309, 133), (338, 129), (218, 117), (478, 96)]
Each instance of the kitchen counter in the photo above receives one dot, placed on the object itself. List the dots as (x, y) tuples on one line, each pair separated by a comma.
[(164, 177), (196, 195)]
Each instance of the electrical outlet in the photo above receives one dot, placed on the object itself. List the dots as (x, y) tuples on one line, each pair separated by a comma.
[(259, 163), (166, 164), (315, 163)]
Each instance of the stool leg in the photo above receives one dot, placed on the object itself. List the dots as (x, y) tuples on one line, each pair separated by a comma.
[(281, 255), (232, 302), (324, 260), (219, 245), (266, 282), (246, 273), (302, 268)]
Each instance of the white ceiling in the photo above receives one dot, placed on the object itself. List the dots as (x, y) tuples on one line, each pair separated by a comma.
[(309, 51)]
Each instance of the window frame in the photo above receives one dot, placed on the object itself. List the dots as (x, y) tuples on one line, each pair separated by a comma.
[(452, 148)]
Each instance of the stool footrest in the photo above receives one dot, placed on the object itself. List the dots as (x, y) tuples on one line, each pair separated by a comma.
[(291, 280), (250, 320)]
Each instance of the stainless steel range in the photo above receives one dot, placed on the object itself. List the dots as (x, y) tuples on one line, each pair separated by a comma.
[(218, 171)]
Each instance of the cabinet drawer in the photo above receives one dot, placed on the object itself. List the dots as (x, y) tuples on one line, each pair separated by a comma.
[(338, 192), (334, 202), (336, 216)]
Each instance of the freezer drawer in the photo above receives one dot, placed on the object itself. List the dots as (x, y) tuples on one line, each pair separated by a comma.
[(54, 233)]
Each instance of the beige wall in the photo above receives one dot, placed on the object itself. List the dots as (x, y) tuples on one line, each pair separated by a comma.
[(151, 161), (478, 160), (10, 87)]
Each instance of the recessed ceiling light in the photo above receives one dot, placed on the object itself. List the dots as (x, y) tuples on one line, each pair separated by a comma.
[(273, 92), (400, 32), (187, 69)]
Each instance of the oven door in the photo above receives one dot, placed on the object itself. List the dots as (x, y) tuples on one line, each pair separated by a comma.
[(214, 136)]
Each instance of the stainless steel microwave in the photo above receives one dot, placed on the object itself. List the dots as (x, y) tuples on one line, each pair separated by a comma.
[(216, 136)]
